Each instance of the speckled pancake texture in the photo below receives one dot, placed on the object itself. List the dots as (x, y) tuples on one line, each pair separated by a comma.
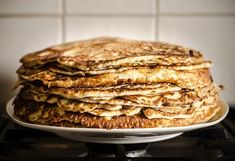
[(110, 82)]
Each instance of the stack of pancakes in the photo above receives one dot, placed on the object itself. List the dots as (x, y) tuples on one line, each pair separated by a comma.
[(116, 83)]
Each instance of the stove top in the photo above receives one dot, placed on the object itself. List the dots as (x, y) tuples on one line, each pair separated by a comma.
[(23, 144)]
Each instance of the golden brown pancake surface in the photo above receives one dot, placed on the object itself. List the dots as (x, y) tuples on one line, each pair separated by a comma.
[(111, 82), (108, 52)]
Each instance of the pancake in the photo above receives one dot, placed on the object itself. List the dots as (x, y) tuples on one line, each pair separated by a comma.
[(116, 83), (122, 90), (185, 79), (168, 98), (108, 53), (177, 112), (114, 110), (76, 106), (56, 68), (43, 114), (74, 72)]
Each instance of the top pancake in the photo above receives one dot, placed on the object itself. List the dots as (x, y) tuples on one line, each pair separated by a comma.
[(108, 52)]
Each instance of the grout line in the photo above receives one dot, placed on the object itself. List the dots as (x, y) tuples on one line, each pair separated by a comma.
[(113, 15), (76, 15), (197, 14), (63, 25), (108, 15), (28, 15), (157, 18)]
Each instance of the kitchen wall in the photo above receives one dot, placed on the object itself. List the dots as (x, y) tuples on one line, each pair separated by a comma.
[(206, 25)]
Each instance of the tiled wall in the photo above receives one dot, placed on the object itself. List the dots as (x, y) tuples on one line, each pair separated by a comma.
[(206, 25)]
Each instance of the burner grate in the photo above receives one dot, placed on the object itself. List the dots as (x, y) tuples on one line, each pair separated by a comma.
[(19, 143)]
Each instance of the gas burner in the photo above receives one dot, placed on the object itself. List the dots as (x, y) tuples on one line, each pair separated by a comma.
[(117, 150)]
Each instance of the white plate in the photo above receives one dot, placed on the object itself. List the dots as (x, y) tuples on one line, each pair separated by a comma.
[(118, 136)]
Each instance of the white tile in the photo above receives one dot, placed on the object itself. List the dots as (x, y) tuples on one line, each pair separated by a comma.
[(23, 35), (111, 6), (214, 36), (18, 37), (30, 6), (87, 27), (197, 6)]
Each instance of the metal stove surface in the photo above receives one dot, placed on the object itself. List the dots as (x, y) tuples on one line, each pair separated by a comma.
[(23, 144)]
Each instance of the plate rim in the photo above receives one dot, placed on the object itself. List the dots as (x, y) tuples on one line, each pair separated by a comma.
[(125, 140), (157, 130)]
